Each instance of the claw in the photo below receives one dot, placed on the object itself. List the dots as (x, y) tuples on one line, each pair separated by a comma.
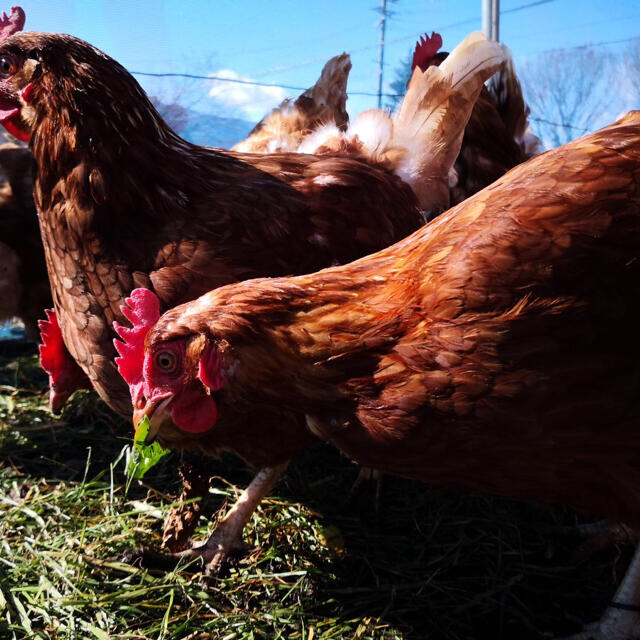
[(225, 542), (215, 554)]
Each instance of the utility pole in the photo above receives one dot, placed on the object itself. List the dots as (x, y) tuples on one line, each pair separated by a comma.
[(491, 19), (495, 20), (383, 26), (486, 17)]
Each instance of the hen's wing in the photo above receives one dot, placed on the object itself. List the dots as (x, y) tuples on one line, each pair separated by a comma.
[(525, 350)]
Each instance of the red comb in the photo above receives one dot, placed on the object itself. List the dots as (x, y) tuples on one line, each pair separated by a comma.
[(142, 309), (52, 347), (426, 48), (11, 24)]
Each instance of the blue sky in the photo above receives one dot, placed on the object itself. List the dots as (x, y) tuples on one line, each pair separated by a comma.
[(287, 41)]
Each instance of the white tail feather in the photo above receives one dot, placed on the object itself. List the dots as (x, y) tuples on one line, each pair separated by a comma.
[(434, 113), (321, 137), (422, 140), (374, 129)]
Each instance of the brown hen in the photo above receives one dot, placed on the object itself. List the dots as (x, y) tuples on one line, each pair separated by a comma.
[(496, 349)]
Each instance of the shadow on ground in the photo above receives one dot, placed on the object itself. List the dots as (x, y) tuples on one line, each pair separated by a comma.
[(419, 562)]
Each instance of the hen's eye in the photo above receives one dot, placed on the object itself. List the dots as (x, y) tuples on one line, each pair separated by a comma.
[(7, 65), (166, 361)]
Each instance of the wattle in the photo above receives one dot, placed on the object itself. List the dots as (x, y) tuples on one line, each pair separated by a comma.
[(195, 414)]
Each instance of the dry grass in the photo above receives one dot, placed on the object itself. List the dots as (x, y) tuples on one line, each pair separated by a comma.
[(429, 563)]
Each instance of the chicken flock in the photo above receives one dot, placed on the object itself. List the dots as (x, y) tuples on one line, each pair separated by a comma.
[(289, 290)]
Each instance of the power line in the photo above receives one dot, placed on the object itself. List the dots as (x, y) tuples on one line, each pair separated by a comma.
[(246, 82), (255, 83), (452, 25), (576, 25), (526, 6), (589, 44), (475, 20)]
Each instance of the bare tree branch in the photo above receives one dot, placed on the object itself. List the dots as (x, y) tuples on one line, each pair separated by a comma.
[(632, 68), (569, 92)]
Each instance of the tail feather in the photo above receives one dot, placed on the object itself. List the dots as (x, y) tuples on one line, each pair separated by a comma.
[(421, 141), (324, 103), (434, 113)]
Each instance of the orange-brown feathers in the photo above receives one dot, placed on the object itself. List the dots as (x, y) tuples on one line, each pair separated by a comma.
[(495, 349)]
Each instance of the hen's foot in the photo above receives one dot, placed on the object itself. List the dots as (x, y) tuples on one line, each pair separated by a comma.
[(214, 553), (225, 541)]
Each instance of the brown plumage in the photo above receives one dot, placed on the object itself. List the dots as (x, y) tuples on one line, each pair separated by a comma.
[(495, 349), (325, 103)]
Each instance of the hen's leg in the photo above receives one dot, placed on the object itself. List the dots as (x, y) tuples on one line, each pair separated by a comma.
[(227, 536), (621, 620), (183, 519), (367, 474)]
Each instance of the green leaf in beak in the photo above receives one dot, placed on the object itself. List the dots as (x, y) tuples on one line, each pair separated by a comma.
[(144, 456)]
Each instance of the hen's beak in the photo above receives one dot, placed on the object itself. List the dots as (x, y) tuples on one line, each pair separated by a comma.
[(56, 400), (155, 411)]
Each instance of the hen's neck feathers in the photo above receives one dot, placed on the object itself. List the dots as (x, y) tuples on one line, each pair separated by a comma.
[(305, 331), (97, 133)]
